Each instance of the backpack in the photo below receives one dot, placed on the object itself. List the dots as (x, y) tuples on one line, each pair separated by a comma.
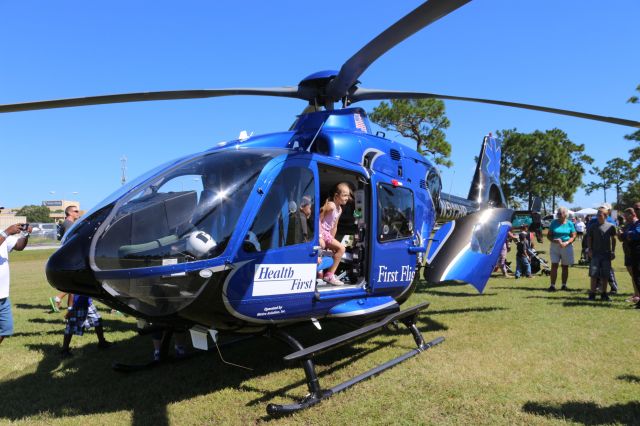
[(59, 231)]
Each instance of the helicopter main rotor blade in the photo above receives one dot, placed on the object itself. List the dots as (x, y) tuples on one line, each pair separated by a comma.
[(423, 15), (288, 92), (373, 94)]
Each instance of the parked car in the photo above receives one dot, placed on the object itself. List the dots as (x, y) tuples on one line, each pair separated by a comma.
[(546, 221), (521, 217), (44, 230)]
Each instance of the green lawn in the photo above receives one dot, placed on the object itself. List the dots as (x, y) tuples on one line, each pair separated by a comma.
[(514, 355)]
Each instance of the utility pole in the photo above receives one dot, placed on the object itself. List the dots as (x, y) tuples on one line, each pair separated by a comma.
[(123, 168)]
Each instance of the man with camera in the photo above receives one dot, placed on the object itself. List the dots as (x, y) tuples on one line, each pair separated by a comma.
[(15, 237)]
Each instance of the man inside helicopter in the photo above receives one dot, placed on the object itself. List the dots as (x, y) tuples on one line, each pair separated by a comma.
[(300, 224)]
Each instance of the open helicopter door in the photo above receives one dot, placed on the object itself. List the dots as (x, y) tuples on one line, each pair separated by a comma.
[(467, 249), (276, 273), (393, 236)]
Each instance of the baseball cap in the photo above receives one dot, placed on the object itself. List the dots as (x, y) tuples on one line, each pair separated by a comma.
[(605, 206)]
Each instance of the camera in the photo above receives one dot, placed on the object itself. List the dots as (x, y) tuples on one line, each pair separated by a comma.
[(24, 226)]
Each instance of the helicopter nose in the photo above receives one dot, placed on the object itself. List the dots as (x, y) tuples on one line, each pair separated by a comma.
[(68, 268)]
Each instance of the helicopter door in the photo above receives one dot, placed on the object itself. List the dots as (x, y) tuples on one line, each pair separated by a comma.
[(394, 263), (279, 258)]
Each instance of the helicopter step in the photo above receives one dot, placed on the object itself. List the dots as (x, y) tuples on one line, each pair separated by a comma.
[(305, 355)]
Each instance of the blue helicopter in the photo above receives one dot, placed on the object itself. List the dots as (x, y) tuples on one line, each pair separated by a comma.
[(228, 241)]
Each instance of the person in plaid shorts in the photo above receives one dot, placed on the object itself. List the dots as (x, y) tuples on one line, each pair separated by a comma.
[(81, 315)]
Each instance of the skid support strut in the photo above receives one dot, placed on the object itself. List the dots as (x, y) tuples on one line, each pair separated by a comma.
[(316, 394)]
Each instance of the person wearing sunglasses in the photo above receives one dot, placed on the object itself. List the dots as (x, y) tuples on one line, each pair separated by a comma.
[(72, 213)]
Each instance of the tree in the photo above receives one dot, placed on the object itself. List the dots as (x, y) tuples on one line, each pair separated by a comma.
[(616, 173), (632, 194), (35, 213), (635, 136), (597, 185), (422, 120), (545, 164)]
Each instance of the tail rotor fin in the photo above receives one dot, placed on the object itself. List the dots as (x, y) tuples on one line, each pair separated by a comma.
[(485, 188)]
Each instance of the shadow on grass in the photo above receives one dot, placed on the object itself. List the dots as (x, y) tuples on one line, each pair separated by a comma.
[(467, 310), (452, 294), (592, 304), (110, 323), (85, 384), (30, 306), (326, 359), (629, 378), (581, 300), (542, 288), (520, 288), (57, 319), (588, 413), (39, 333)]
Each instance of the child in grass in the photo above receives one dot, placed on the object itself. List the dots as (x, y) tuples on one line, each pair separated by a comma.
[(523, 256), (81, 314)]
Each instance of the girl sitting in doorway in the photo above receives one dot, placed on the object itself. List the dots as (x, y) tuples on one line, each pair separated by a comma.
[(329, 217)]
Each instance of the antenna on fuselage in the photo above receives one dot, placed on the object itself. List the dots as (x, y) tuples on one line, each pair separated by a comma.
[(316, 135), (123, 169)]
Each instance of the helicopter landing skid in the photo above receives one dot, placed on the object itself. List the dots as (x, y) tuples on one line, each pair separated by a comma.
[(305, 355)]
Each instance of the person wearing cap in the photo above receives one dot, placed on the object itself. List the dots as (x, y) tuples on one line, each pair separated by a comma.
[(613, 282), (562, 233), (15, 237)]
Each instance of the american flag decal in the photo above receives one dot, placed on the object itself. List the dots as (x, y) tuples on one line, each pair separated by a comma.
[(360, 122)]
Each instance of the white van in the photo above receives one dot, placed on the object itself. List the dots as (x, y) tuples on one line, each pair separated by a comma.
[(45, 230)]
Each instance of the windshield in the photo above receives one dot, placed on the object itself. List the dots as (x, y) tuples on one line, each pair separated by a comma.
[(183, 214), (118, 194)]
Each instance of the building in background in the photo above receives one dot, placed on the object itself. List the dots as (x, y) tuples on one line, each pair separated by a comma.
[(8, 218), (57, 208)]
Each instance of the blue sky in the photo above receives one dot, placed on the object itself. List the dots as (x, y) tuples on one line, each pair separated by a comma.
[(571, 54)]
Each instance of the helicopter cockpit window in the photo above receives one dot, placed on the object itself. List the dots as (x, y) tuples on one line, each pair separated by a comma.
[(187, 213), (434, 185), (286, 216), (395, 217)]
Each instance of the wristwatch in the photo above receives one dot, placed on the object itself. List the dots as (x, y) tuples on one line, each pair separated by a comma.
[(3, 234)]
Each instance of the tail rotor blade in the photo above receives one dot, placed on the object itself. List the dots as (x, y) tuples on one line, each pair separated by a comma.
[(374, 94)]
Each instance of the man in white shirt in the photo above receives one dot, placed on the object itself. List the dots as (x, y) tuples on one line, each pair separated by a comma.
[(15, 237)]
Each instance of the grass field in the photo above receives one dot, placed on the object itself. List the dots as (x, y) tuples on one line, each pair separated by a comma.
[(514, 355)]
